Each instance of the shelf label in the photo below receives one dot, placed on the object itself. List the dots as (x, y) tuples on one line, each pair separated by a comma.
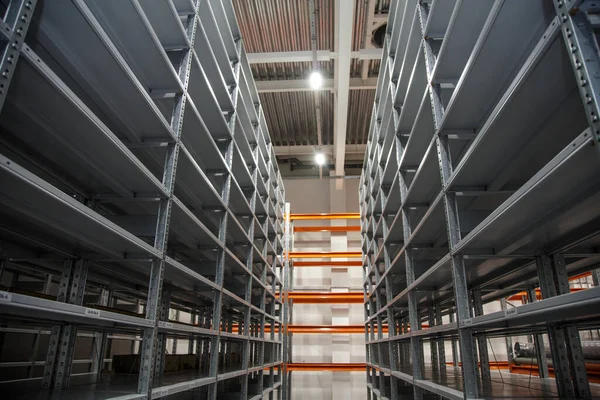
[(511, 311), (92, 312), (192, 385), (168, 325), (5, 296), (163, 392), (468, 321)]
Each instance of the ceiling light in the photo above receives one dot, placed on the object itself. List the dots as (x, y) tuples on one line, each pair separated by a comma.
[(316, 80), (320, 158)]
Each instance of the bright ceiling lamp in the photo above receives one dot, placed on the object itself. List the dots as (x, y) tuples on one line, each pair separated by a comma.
[(320, 158), (316, 80)]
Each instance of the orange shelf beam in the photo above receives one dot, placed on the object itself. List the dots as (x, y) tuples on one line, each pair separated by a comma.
[(328, 263), (335, 367), (325, 329), (323, 216), (347, 228), (593, 371), (538, 294), (320, 329), (325, 254), (327, 297)]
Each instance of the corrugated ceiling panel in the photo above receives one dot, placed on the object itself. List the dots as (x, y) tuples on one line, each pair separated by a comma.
[(292, 120), (283, 25), (359, 115), (286, 71)]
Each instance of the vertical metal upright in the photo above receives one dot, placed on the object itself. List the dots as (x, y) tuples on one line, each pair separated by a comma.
[(285, 388), (152, 351)]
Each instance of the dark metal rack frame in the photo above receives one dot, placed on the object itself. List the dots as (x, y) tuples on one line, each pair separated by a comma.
[(138, 174), (479, 181)]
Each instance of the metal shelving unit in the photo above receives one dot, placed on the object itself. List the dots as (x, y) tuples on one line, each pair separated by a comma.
[(480, 181), (141, 203)]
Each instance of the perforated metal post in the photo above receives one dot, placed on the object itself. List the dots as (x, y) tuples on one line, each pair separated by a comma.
[(454, 343), (572, 339), (434, 342), (36, 339), (13, 30), (484, 358), (55, 333), (538, 340), (150, 341), (461, 291), (59, 360), (161, 338), (219, 277), (245, 327), (560, 360), (580, 41), (98, 343), (508, 340), (285, 388), (392, 345), (441, 343)]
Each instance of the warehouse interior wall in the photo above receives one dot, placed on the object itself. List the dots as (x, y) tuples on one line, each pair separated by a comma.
[(322, 196)]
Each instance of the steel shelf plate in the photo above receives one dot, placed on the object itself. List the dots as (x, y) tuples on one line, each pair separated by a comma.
[(81, 46), (225, 30), (217, 43), (166, 24), (568, 307), (410, 101), (440, 12), (402, 65), (426, 184), (129, 29), (72, 223), (73, 138), (206, 55), (465, 24), (566, 189), (420, 135), (27, 307), (508, 36), (526, 121), (207, 102)]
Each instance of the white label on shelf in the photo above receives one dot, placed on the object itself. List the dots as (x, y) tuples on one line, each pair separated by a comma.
[(168, 324), (163, 392), (468, 321), (511, 311), (92, 312), (5, 296)]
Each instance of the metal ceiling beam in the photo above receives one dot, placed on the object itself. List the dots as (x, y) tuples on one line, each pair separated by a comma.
[(307, 56), (302, 85), (311, 150), (344, 47)]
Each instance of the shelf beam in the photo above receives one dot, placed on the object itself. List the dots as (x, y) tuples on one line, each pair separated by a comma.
[(328, 263), (325, 254), (327, 297), (333, 367), (346, 228)]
